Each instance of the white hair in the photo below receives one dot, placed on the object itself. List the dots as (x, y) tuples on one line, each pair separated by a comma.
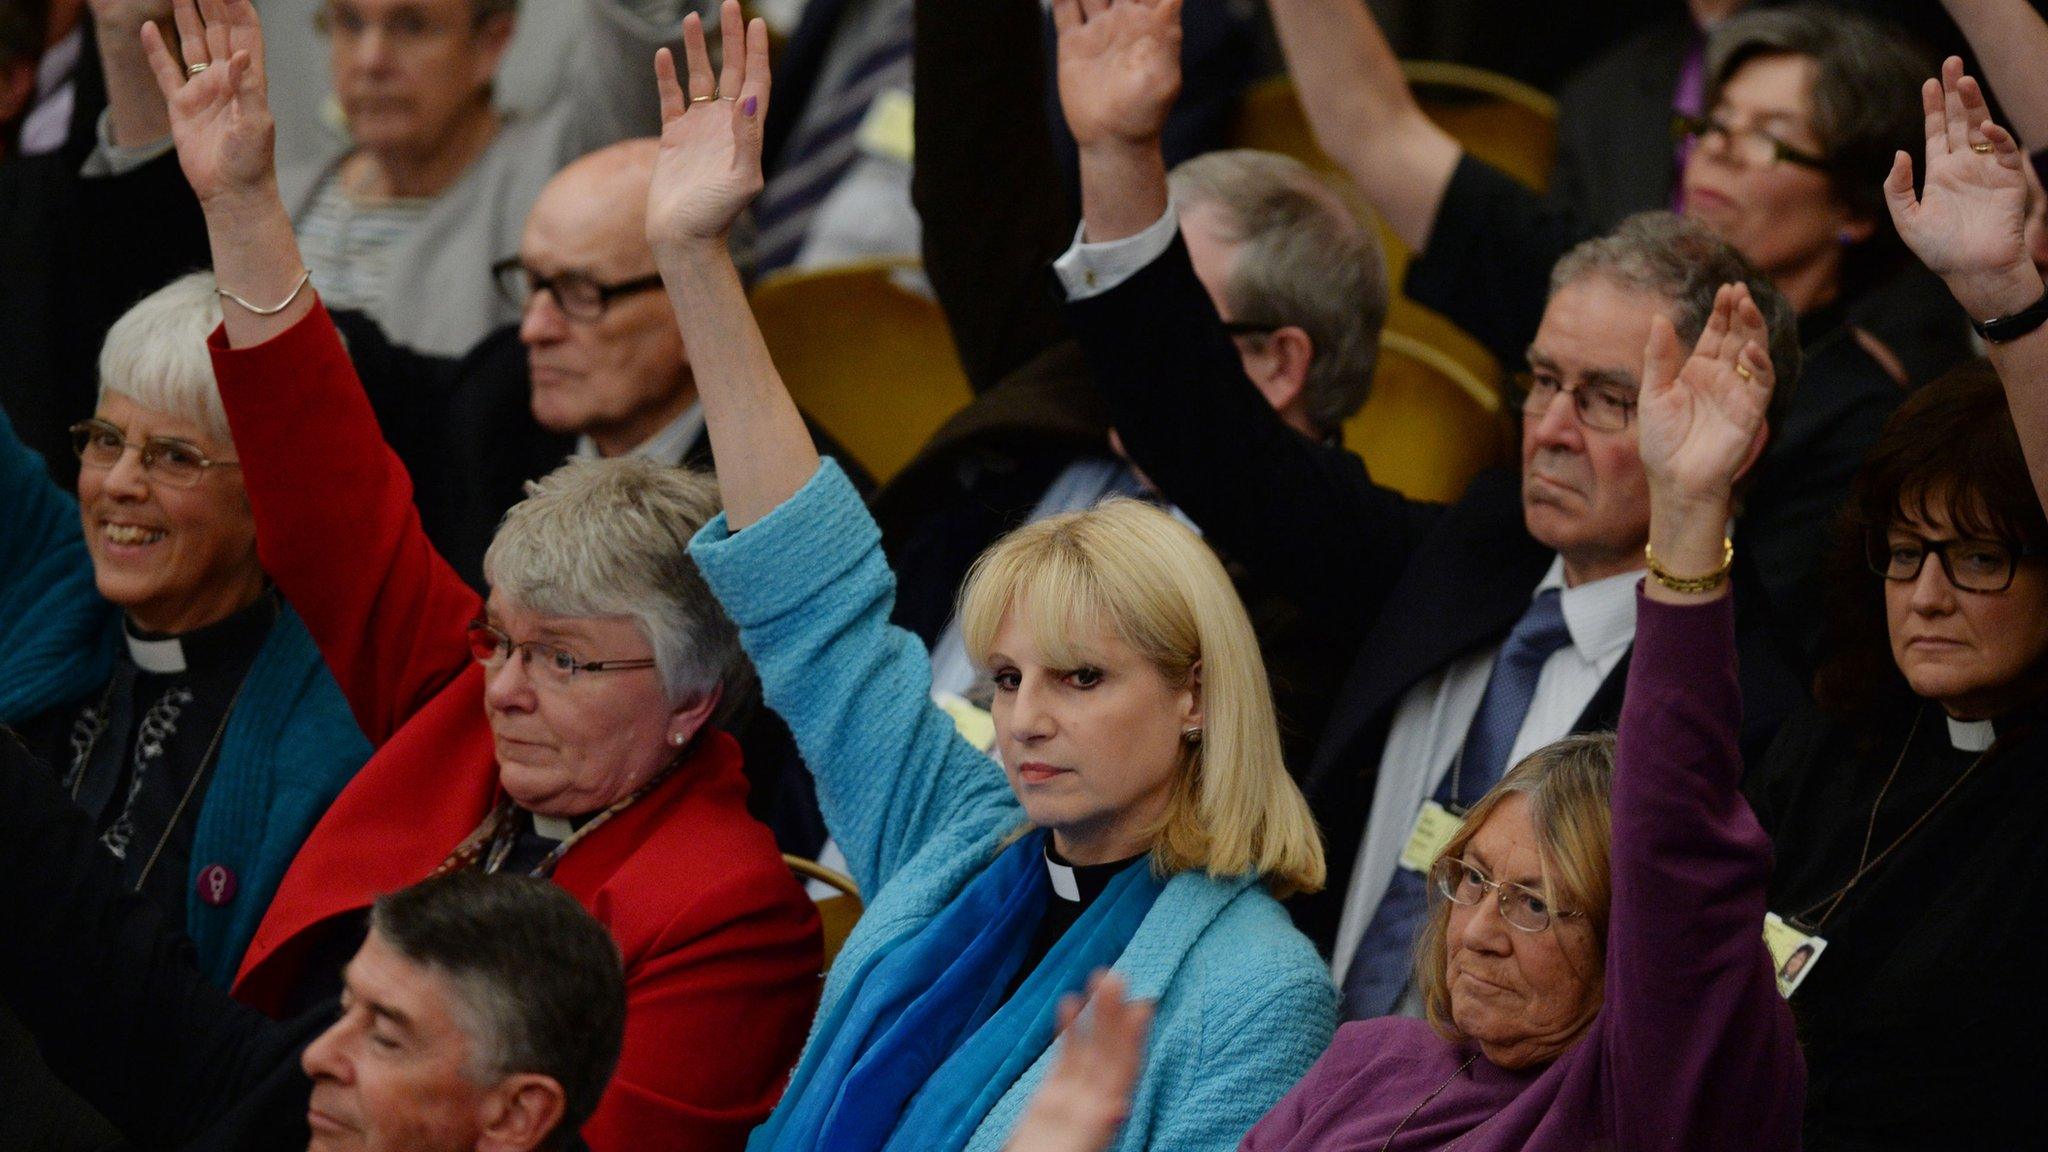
[(156, 355), (611, 538)]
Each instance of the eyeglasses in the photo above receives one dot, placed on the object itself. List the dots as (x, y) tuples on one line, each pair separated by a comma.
[(578, 296), (1751, 146), (1971, 565), (491, 648), (173, 462), (1523, 908), (406, 29), (1599, 406)]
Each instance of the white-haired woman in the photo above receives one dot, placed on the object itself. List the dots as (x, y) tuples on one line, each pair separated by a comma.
[(178, 699), (566, 727), (1139, 818)]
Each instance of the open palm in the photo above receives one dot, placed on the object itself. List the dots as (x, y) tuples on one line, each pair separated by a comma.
[(1970, 217), (709, 167), (1087, 1094), (1700, 417), (220, 117), (1119, 67)]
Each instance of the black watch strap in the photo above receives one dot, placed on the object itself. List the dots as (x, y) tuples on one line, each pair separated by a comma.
[(2012, 327)]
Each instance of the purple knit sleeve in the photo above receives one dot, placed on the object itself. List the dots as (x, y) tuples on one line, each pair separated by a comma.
[(1698, 1047)]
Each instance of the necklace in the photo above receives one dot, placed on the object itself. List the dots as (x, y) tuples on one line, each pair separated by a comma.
[(491, 843), (84, 754), (1434, 1093), (1864, 864)]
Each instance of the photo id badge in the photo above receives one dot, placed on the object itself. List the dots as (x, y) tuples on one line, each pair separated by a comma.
[(1434, 827), (1793, 953)]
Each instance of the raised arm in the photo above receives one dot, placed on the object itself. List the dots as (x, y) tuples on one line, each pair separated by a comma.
[(796, 559), (1363, 113), (2011, 42), (335, 522), (1304, 515), (1695, 1037), (1968, 225), (982, 139)]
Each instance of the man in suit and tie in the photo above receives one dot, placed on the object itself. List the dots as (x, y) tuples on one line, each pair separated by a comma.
[(1477, 631)]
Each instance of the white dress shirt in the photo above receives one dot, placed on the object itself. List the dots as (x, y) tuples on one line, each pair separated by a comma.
[(1430, 723), (666, 446)]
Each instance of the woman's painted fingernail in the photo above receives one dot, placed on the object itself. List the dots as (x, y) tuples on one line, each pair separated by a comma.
[(748, 105)]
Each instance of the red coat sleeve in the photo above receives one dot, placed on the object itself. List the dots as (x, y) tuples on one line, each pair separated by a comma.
[(335, 523)]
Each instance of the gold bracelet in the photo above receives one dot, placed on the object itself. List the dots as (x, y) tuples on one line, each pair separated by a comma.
[(304, 278), (1707, 583)]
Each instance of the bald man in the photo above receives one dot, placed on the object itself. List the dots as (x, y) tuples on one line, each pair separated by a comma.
[(595, 367)]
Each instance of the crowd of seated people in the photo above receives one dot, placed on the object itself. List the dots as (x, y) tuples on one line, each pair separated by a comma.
[(411, 656)]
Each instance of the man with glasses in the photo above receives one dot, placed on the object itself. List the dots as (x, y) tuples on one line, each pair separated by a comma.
[(1477, 632)]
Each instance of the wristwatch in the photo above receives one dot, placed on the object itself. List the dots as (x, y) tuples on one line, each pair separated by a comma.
[(2007, 328)]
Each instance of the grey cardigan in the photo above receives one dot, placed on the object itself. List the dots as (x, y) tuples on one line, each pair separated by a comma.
[(440, 298)]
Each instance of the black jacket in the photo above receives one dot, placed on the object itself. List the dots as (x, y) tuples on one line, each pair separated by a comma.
[(1397, 588)]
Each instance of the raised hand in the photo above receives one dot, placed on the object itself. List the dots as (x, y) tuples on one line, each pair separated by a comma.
[(1700, 419), (1968, 224), (1119, 67), (1087, 1094), (219, 99), (709, 167)]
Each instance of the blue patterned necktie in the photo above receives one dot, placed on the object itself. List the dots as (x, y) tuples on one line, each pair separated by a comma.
[(1384, 963)]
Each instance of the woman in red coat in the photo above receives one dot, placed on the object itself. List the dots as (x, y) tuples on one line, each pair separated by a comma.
[(565, 727)]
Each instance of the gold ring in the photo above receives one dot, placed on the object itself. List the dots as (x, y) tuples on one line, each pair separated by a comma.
[(1743, 371), (702, 99), (196, 69), (1983, 147)]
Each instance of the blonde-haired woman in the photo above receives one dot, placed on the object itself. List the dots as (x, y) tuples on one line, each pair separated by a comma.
[(1140, 818)]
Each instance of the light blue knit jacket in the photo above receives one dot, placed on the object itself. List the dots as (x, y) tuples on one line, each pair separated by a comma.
[(1244, 1004)]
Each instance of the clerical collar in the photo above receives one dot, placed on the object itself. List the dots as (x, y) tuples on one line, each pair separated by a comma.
[(557, 827), (1970, 735), (1081, 883), (238, 634)]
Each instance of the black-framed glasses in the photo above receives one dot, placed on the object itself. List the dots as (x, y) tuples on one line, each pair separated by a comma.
[(1971, 565), (1523, 908), (173, 462), (579, 296), (491, 648), (1753, 146), (1599, 406)]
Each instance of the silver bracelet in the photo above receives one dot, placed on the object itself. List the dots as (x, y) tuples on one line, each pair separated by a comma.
[(304, 278)]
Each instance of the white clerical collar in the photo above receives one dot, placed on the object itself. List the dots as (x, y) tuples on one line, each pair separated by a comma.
[(161, 657), (1064, 885), (553, 827), (1970, 735)]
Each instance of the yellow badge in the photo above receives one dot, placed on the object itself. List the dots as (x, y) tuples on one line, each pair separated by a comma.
[(1793, 953), (1434, 827), (886, 130)]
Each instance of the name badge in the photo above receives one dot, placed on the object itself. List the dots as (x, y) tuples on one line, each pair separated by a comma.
[(1434, 827), (886, 129), (1794, 953)]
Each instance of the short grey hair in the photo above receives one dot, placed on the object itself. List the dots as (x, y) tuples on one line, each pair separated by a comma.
[(611, 538), (1686, 262), (156, 354), (1305, 261)]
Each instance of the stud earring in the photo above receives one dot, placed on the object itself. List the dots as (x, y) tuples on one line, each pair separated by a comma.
[(676, 739), (1191, 734)]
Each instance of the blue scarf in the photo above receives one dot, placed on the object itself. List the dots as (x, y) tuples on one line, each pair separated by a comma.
[(922, 1045)]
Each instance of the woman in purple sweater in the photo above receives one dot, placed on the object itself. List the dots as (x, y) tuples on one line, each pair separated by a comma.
[(1593, 966)]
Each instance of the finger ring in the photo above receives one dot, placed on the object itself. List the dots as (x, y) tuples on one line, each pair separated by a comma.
[(1743, 371), (196, 69), (702, 99), (1984, 146)]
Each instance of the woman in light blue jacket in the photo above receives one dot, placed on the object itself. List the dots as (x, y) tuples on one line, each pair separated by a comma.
[(1139, 818)]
